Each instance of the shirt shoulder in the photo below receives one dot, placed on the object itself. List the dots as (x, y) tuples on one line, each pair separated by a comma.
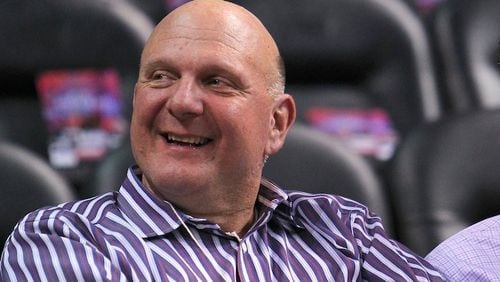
[(471, 254), (347, 219), (92, 208), (80, 215), (333, 207), (360, 234)]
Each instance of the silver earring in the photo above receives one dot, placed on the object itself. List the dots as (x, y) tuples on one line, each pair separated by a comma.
[(266, 157)]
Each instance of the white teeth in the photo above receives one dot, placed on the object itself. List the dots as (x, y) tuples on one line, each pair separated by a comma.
[(189, 140)]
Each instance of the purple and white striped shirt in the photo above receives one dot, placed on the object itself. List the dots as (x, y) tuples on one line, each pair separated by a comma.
[(131, 235)]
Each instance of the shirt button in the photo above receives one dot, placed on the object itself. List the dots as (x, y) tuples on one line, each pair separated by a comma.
[(244, 247)]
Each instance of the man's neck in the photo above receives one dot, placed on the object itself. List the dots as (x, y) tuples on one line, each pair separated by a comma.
[(237, 223), (234, 210), (230, 218)]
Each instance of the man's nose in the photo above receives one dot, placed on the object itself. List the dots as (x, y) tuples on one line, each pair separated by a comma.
[(186, 101)]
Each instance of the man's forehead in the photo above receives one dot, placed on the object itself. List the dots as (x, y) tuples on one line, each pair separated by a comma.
[(224, 24), (206, 45), (183, 34), (218, 22), (200, 33)]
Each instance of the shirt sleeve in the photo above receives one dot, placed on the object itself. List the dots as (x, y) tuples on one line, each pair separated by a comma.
[(458, 264), (48, 246), (384, 259), (472, 254)]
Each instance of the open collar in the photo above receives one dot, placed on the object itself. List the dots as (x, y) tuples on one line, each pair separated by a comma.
[(151, 216)]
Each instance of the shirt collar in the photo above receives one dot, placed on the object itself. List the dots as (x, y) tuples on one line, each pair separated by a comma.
[(270, 195), (147, 213), (278, 203), (152, 216)]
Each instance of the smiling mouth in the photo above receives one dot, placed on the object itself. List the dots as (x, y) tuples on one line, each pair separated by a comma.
[(187, 141)]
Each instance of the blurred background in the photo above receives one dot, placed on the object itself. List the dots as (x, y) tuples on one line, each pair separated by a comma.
[(398, 104)]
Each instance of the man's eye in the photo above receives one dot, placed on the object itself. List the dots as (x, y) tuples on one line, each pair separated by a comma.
[(159, 76), (219, 82), (161, 79), (214, 81)]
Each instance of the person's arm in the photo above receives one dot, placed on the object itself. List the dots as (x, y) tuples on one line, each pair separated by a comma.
[(49, 246), (472, 254)]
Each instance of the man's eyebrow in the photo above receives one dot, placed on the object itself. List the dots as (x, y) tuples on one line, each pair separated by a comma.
[(155, 63)]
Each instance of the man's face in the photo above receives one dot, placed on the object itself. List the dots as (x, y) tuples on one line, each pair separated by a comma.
[(202, 113)]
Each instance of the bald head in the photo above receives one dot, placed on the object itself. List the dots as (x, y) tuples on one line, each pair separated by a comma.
[(242, 31)]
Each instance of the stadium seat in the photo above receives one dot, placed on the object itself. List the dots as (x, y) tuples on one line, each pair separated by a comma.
[(354, 54), (445, 177), (27, 183), (46, 35), (154, 9), (311, 162), (466, 35)]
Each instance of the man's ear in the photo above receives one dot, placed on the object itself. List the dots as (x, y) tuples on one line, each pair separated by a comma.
[(283, 118)]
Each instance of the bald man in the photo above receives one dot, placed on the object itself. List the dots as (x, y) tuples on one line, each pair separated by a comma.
[(209, 107)]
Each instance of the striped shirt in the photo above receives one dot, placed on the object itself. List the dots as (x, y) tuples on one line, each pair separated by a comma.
[(132, 235)]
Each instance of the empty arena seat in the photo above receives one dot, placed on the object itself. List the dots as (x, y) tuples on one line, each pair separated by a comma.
[(467, 43), (72, 36), (27, 183), (347, 58), (445, 178)]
